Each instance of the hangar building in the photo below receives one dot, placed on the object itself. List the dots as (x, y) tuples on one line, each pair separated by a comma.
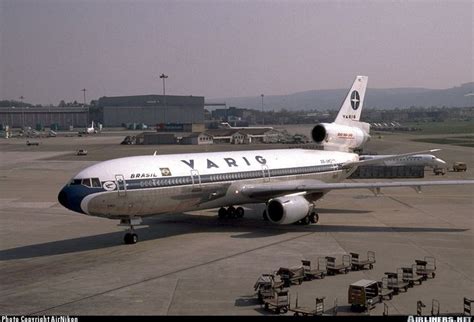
[(149, 109)]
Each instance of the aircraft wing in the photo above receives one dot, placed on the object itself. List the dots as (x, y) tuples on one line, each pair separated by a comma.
[(387, 158), (271, 190)]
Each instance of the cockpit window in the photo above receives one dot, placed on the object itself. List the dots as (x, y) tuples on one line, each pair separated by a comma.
[(95, 182), (86, 182), (75, 181)]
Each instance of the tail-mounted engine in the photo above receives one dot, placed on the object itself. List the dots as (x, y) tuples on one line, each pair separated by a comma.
[(341, 137)]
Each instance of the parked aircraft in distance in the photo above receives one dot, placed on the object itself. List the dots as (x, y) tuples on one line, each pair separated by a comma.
[(347, 132), (226, 125), (90, 130), (426, 160), (289, 182)]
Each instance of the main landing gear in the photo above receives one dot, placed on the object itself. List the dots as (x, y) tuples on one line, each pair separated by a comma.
[(230, 212), (130, 237)]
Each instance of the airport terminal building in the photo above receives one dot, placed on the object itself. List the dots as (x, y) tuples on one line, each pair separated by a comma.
[(184, 111)]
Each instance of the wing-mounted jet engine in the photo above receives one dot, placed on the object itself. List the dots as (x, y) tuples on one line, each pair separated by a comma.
[(291, 209)]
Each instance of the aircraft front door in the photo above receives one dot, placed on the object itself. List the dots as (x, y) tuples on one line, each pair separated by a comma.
[(121, 185), (265, 173), (196, 180)]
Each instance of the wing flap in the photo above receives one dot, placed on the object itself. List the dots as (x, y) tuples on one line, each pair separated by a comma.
[(378, 160), (269, 190)]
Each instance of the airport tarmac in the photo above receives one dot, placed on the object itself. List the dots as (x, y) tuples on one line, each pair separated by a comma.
[(54, 261)]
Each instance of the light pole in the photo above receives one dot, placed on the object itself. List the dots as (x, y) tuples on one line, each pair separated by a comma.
[(163, 76), (87, 116), (22, 113), (84, 90), (263, 117)]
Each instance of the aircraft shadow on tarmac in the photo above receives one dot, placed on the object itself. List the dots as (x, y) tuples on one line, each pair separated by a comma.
[(180, 224)]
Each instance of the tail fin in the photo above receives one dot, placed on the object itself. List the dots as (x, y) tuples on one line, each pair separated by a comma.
[(352, 106)]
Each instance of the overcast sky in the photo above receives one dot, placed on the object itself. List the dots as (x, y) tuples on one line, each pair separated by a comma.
[(51, 49)]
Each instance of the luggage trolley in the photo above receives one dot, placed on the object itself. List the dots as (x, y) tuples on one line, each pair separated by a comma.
[(384, 290), (395, 282), (358, 264), (312, 273), (334, 268), (266, 286), (278, 304), (291, 275), (409, 275), (426, 267), (318, 308)]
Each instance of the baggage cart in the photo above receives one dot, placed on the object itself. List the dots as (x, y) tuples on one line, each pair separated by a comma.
[(395, 282), (312, 273), (409, 275), (266, 286), (363, 294), (291, 275), (384, 290), (426, 267), (279, 303), (334, 268), (303, 311), (358, 264)]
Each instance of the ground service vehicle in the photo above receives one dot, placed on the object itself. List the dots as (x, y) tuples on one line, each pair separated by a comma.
[(459, 166), (363, 294)]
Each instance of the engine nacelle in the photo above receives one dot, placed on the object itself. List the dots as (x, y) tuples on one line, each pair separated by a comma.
[(341, 137), (287, 209)]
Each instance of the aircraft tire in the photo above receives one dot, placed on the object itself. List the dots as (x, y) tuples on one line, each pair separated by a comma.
[(222, 213), (126, 238), (130, 239), (239, 212), (305, 220), (314, 218), (231, 212)]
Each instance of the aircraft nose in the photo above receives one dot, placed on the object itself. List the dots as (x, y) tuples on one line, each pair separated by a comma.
[(62, 198), (71, 197)]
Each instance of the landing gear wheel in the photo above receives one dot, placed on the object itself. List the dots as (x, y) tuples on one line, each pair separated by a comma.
[(130, 238), (314, 218), (222, 213), (239, 212), (264, 215), (305, 220), (231, 212)]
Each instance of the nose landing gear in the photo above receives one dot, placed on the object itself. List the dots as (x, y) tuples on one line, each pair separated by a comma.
[(130, 237)]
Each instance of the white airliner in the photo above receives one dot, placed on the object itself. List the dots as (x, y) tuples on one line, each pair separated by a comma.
[(425, 160), (288, 181), (91, 130), (346, 133)]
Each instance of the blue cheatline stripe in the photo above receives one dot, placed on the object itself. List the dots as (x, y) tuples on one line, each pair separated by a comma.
[(142, 183)]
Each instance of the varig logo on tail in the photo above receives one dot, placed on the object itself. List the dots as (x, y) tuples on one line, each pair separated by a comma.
[(355, 100)]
